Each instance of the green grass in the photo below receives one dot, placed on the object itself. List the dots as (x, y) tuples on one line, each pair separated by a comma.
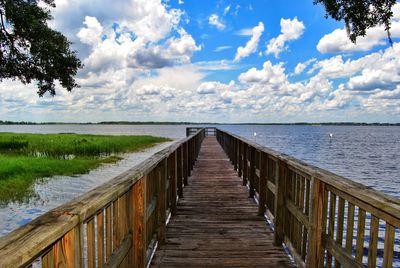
[(26, 157)]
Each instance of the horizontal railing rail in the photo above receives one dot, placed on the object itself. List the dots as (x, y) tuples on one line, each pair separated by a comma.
[(324, 219), (118, 224), (209, 131)]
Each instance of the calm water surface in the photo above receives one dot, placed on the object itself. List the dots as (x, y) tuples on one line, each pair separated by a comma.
[(366, 154)]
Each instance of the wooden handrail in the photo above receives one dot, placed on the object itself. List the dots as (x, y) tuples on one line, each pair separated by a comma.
[(114, 224), (316, 213)]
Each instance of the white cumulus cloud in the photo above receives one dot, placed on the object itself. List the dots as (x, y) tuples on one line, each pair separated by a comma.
[(301, 66), (215, 21), (291, 29), (252, 44)]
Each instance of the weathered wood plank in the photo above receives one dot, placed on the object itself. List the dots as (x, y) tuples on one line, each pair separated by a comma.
[(139, 236), (389, 246), (216, 224)]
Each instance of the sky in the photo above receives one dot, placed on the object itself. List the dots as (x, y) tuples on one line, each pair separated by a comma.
[(223, 61)]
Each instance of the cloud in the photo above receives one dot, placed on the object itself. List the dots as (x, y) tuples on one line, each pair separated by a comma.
[(215, 21), (381, 73), (119, 50), (245, 32), (91, 35), (301, 66), (222, 48), (216, 65), (269, 74), (148, 20), (213, 87), (131, 74), (226, 9), (252, 44), (206, 88), (338, 41), (236, 12), (290, 30)]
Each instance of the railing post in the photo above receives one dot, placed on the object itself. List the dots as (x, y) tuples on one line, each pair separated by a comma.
[(189, 157), (193, 153), (139, 224), (161, 201), (318, 201), (280, 202), (234, 142), (66, 252), (245, 164), (252, 171), (185, 163), (262, 184), (179, 169), (240, 159), (173, 181)]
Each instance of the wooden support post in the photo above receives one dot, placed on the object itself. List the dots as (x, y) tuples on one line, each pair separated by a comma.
[(280, 202), (262, 184), (185, 163), (235, 158), (67, 252), (108, 232), (91, 257), (173, 181), (189, 157), (139, 224), (100, 238), (193, 153), (315, 257), (240, 159), (179, 169), (252, 171), (245, 164), (161, 201)]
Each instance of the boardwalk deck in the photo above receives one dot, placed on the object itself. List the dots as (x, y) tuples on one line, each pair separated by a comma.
[(217, 224)]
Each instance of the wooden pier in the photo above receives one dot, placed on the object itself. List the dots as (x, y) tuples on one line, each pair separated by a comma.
[(193, 204), (217, 224)]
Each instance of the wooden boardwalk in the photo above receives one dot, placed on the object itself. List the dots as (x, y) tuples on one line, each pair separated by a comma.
[(217, 224)]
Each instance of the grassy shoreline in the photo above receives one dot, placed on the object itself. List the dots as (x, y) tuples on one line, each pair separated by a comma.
[(24, 158)]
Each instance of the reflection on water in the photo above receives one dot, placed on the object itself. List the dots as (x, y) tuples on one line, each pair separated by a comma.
[(369, 155)]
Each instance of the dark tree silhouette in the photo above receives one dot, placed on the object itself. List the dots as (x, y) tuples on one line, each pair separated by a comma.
[(359, 15), (30, 50)]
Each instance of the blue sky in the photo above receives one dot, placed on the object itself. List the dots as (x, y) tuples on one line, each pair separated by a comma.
[(216, 61)]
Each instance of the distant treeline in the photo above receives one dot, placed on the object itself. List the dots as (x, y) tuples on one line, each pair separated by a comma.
[(198, 123)]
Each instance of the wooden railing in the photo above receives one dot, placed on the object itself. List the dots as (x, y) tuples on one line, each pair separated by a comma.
[(209, 131), (325, 220), (118, 224)]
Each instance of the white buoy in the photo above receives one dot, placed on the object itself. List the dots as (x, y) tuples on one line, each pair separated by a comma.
[(255, 136), (330, 135)]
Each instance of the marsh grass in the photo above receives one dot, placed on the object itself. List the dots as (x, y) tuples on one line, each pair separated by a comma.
[(26, 157)]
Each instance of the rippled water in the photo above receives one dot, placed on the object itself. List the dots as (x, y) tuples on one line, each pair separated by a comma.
[(366, 154)]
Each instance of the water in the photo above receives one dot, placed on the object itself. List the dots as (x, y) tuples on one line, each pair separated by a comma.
[(50, 193), (366, 154)]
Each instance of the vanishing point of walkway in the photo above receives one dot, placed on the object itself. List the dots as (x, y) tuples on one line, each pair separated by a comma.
[(217, 224)]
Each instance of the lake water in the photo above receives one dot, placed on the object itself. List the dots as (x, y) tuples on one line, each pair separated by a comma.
[(366, 154)]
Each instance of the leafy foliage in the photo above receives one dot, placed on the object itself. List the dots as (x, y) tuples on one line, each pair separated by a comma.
[(30, 50), (359, 15)]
